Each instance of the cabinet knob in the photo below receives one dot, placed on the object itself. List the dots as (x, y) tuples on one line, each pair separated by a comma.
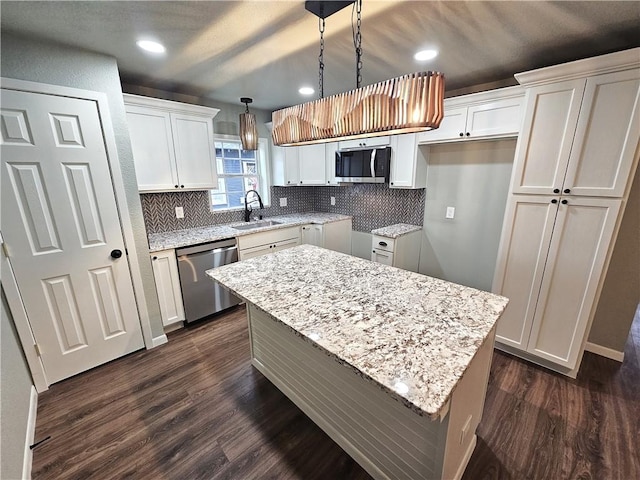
[(461, 134), (567, 190), (564, 202), (288, 181), (176, 186), (391, 183), (181, 186), (300, 181), (556, 190), (155, 258), (468, 134), (555, 200), (374, 251)]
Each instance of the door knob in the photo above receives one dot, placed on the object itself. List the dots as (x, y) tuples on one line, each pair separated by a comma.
[(116, 253)]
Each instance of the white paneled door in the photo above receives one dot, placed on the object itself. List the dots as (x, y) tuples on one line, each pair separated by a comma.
[(61, 226)]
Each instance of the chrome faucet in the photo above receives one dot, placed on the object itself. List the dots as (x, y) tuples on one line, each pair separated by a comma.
[(247, 204)]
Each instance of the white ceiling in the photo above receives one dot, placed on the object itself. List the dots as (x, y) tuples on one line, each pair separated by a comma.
[(268, 49)]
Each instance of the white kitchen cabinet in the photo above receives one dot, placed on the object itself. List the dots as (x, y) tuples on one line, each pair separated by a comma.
[(408, 162), (312, 164), (580, 136), (478, 116), (172, 144), (165, 272), (332, 236), (372, 142), (330, 150), (401, 252), (261, 243), (551, 262), (285, 166)]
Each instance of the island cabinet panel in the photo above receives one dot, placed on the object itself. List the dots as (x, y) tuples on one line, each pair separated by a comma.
[(389, 439)]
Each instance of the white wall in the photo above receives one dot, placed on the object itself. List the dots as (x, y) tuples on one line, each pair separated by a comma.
[(15, 391), (474, 178)]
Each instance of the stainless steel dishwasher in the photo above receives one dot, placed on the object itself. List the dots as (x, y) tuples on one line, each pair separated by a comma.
[(202, 295)]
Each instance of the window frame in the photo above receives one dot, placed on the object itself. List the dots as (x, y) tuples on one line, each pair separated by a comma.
[(262, 167)]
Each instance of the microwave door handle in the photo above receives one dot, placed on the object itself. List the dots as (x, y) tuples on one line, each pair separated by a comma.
[(373, 163)]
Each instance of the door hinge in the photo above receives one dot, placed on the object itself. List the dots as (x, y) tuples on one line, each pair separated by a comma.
[(37, 347), (5, 250)]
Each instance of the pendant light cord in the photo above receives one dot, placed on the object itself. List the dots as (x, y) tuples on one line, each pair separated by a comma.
[(357, 40), (321, 59)]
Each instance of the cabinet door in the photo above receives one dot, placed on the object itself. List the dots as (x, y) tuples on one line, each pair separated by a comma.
[(607, 135), (285, 244), (165, 272), (312, 164), (290, 174), (522, 254), (195, 154), (382, 256), (152, 144), (502, 117), (330, 162), (408, 164), (337, 236), (381, 141), (579, 246), (452, 126), (544, 145), (312, 235)]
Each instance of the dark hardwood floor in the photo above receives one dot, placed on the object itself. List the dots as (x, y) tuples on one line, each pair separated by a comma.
[(195, 408)]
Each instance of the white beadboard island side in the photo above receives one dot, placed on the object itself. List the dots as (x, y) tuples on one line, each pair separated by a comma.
[(391, 364)]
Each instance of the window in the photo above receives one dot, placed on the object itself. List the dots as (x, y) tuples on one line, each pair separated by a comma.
[(238, 171)]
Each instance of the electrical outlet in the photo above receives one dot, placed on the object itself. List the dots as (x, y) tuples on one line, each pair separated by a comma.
[(451, 212), (283, 202), (179, 212), (333, 200)]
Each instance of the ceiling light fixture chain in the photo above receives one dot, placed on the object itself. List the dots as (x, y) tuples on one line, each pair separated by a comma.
[(358, 43), (321, 59)]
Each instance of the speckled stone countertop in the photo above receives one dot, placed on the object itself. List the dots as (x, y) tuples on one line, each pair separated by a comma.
[(410, 334), (395, 231), (194, 236)]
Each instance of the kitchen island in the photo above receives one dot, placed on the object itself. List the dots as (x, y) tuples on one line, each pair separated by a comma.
[(391, 364)]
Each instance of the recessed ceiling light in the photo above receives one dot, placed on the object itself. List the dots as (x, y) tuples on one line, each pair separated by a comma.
[(306, 91), (151, 46), (424, 55)]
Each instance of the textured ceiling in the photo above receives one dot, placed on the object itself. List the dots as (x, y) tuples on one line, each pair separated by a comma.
[(268, 49)]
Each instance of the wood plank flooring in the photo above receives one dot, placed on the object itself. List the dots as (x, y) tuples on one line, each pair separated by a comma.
[(196, 409)]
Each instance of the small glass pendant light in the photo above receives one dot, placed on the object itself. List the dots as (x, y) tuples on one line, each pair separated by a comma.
[(248, 129)]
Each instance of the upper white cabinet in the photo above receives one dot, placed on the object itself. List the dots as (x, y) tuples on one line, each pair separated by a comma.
[(312, 164), (172, 144), (497, 113), (285, 166), (408, 162), (579, 137), (373, 142), (330, 150)]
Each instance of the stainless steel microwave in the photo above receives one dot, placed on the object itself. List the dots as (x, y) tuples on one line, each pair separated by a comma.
[(369, 165)]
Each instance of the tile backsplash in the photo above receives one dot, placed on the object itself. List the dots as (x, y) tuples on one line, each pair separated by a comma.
[(371, 205)]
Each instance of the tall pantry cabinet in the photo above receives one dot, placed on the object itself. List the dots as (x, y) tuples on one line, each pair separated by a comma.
[(575, 158)]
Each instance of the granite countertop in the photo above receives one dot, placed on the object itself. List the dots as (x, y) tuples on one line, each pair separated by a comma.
[(395, 231), (410, 334), (194, 236)]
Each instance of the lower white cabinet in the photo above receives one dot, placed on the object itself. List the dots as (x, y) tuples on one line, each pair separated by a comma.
[(332, 236), (165, 272), (261, 243), (401, 252), (551, 260)]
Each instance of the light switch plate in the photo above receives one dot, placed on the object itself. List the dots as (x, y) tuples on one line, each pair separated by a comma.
[(179, 212), (283, 202), (451, 212), (333, 200)]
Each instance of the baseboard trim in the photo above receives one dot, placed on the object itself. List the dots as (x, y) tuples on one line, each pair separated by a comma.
[(27, 461), (604, 352), (157, 341)]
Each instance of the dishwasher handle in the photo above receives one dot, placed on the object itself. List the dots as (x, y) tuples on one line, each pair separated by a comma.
[(216, 247)]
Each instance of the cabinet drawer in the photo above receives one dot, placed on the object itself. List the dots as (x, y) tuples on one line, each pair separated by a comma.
[(383, 243), (270, 237)]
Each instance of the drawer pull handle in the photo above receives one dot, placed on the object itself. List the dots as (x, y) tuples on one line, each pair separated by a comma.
[(382, 244)]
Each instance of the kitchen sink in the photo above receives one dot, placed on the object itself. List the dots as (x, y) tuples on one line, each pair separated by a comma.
[(262, 224)]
